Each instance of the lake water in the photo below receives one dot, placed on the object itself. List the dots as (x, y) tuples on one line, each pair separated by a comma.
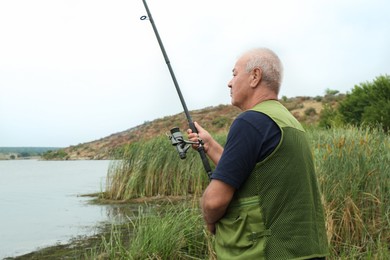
[(40, 203)]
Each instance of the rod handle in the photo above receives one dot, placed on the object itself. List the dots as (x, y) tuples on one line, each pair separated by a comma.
[(202, 152)]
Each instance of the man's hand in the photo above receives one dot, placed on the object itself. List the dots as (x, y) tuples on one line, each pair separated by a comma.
[(211, 147), (202, 135), (215, 201)]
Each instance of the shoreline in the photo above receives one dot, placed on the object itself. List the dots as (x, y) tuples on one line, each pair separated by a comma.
[(78, 247), (75, 248)]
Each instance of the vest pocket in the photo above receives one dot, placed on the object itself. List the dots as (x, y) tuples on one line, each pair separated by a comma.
[(241, 233)]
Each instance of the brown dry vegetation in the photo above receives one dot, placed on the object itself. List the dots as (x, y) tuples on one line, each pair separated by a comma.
[(215, 119)]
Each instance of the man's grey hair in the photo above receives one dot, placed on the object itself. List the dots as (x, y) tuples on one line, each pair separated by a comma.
[(270, 65)]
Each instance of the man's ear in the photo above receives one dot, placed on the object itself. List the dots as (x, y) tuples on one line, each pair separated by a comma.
[(255, 79)]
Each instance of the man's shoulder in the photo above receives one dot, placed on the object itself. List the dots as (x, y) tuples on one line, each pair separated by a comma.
[(253, 123), (252, 114)]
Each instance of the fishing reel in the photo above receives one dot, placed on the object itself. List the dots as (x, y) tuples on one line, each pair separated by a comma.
[(180, 143)]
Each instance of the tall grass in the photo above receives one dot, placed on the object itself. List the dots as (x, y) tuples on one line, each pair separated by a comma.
[(152, 168), (164, 232), (353, 170), (179, 231), (353, 167)]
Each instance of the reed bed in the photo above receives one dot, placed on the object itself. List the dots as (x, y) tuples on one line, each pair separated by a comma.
[(154, 168), (353, 170)]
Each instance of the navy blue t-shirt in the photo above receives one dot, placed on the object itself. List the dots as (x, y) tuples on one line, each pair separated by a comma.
[(251, 138)]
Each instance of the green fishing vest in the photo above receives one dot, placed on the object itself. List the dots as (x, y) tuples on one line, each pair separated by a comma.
[(277, 213)]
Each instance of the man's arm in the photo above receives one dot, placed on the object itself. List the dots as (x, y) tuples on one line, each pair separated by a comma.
[(215, 201)]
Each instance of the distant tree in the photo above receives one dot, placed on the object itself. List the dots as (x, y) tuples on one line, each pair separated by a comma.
[(25, 154), (332, 96), (331, 92), (368, 103)]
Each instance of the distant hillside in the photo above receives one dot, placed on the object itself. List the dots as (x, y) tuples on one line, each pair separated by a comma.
[(214, 119), (10, 153)]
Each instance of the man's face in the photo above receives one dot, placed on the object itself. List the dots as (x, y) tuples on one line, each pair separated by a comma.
[(239, 84)]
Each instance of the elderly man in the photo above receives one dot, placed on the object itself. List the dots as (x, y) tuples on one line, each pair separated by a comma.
[(263, 200)]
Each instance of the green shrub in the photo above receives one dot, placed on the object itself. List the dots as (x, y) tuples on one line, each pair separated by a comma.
[(221, 122), (310, 111), (368, 104), (329, 117)]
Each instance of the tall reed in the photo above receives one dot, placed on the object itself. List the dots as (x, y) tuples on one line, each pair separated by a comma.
[(152, 168), (353, 168)]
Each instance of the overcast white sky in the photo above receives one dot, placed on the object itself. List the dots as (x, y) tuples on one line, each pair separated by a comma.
[(74, 71)]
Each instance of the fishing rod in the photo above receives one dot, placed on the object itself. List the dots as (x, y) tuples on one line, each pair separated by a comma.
[(176, 137)]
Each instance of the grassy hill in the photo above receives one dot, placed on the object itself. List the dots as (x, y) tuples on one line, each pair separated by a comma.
[(215, 119)]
